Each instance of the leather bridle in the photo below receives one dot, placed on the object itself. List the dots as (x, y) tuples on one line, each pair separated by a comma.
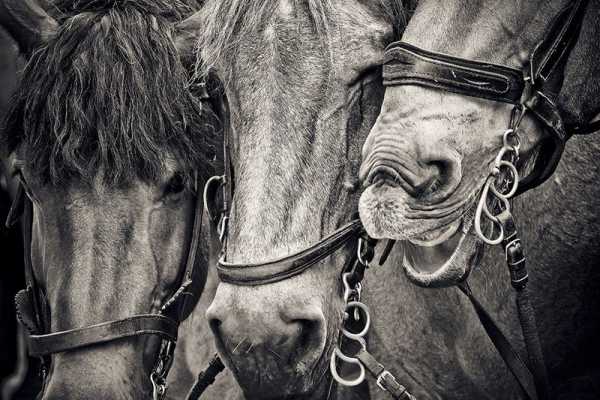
[(32, 309)]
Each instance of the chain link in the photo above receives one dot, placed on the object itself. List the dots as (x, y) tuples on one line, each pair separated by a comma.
[(158, 377), (501, 184), (352, 306)]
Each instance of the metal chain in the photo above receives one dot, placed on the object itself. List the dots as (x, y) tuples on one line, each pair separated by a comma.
[(352, 307), (158, 377), (357, 313), (500, 186)]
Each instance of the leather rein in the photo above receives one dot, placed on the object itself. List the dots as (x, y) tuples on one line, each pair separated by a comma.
[(32, 309)]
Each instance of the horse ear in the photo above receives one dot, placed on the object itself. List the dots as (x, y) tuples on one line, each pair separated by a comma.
[(27, 22), (186, 36)]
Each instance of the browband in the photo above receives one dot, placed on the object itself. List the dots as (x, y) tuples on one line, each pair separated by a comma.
[(285, 267)]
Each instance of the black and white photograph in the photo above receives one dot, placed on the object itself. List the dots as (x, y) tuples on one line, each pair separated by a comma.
[(300, 199)]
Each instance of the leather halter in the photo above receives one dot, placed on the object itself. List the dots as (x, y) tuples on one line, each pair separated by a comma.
[(32, 307), (534, 89)]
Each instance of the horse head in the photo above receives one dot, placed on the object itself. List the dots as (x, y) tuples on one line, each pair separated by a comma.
[(111, 145), (426, 161), (303, 86)]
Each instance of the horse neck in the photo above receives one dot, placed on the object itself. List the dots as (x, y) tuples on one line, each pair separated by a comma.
[(497, 32), (579, 98)]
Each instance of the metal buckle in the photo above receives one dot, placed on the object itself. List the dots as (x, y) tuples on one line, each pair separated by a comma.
[(382, 376)]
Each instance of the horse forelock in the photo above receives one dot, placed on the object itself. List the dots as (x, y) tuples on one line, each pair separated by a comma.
[(173, 10), (227, 19), (109, 92)]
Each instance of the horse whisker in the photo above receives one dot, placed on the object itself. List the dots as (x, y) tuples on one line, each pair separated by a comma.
[(238, 345), (250, 348), (274, 353)]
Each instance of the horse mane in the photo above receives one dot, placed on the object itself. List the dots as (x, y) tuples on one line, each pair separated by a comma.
[(226, 19), (109, 92)]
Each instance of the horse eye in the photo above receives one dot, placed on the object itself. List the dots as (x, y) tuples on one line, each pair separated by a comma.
[(175, 185)]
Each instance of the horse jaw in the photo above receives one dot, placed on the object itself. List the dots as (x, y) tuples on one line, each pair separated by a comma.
[(439, 257), (444, 264)]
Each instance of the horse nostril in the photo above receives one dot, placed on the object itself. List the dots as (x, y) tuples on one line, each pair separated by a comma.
[(382, 173), (215, 325), (310, 335)]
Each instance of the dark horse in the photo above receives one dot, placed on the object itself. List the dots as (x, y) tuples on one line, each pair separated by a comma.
[(111, 142)]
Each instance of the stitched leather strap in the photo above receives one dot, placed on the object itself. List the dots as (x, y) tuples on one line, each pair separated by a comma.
[(151, 324), (511, 358), (385, 379), (285, 267), (405, 64)]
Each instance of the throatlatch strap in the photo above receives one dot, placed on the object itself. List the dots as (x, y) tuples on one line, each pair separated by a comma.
[(151, 324), (405, 64), (511, 358)]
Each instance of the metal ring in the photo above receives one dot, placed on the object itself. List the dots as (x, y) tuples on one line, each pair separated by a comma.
[(363, 332), (505, 204), (222, 227), (158, 389), (359, 250), (351, 360), (517, 140), (485, 194), (505, 137), (499, 157), (515, 181), (208, 183), (477, 222), (347, 289)]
